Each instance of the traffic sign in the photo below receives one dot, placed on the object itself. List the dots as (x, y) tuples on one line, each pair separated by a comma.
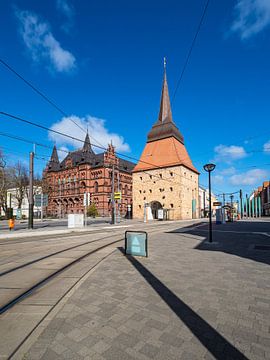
[(117, 195), (217, 203), (41, 200)]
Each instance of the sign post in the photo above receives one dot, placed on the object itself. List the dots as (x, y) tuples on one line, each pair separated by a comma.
[(86, 203), (136, 243)]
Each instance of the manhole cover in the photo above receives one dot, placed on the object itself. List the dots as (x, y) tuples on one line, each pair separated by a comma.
[(262, 247)]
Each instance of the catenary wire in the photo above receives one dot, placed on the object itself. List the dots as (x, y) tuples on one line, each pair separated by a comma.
[(191, 48), (45, 97)]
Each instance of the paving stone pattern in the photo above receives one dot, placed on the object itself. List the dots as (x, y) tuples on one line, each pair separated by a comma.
[(180, 303)]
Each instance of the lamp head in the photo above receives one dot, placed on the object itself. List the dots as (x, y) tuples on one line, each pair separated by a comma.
[(209, 167)]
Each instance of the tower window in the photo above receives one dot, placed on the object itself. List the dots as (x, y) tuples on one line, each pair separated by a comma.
[(150, 176), (160, 175), (171, 205), (140, 206), (141, 177), (150, 191), (171, 173), (171, 188)]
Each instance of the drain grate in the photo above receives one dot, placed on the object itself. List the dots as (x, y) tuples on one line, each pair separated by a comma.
[(262, 247)]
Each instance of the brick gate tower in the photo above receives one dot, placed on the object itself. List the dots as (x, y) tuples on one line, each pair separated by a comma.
[(165, 176)]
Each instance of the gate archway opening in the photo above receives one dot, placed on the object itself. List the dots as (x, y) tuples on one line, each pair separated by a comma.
[(155, 206)]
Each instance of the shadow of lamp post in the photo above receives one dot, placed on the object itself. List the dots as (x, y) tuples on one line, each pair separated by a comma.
[(209, 168)]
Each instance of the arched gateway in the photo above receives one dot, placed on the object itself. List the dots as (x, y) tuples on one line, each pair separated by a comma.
[(155, 206)]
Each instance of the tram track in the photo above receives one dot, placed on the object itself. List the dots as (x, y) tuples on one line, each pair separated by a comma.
[(31, 266), (43, 281), (50, 255)]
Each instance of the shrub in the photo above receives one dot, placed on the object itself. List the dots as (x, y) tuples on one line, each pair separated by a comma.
[(92, 211)]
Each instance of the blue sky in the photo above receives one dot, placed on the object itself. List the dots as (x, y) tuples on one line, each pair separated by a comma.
[(102, 63)]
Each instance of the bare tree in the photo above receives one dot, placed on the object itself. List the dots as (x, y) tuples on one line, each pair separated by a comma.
[(20, 181), (5, 181)]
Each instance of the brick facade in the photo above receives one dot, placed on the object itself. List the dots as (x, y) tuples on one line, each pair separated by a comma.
[(83, 171)]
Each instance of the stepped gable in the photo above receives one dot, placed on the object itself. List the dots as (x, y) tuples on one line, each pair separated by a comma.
[(165, 144)]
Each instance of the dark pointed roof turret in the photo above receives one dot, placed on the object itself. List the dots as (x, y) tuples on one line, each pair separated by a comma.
[(87, 145), (54, 161)]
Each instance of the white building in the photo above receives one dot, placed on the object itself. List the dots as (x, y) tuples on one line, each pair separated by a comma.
[(13, 203), (204, 202)]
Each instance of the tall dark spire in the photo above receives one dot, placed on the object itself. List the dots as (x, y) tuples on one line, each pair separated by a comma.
[(54, 156), (87, 145), (54, 161), (164, 126), (165, 112)]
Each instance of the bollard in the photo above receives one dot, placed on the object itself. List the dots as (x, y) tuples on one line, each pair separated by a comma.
[(11, 224)]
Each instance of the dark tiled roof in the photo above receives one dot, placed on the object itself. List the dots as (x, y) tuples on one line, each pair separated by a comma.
[(80, 157)]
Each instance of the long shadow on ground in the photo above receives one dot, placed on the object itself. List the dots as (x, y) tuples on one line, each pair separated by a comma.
[(214, 342), (239, 238)]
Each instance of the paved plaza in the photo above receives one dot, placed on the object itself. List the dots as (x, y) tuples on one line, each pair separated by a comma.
[(188, 300)]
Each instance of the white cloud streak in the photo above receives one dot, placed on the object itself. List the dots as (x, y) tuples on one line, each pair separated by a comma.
[(218, 179), (251, 177), (228, 154), (266, 147), (252, 16), (97, 132), (228, 171), (41, 43), (68, 11)]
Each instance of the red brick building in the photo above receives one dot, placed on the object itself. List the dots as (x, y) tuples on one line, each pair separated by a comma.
[(83, 171)]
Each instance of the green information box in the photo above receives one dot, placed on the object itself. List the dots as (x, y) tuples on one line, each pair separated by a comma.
[(136, 243)]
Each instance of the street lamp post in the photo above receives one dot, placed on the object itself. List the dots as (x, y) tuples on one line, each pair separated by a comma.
[(209, 168)]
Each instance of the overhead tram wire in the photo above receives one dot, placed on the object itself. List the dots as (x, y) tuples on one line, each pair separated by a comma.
[(46, 98), (19, 138), (100, 147), (80, 140), (191, 48)]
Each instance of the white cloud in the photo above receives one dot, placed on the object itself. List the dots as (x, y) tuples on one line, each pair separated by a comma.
[(266, 147), (251, 177), (41, 43), (252, 16), (98, 133), (228, 154), (229, 171), (62, 152), (65, 8), (68, 11), (217, 179)]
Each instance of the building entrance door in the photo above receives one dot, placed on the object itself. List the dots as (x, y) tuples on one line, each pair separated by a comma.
[(155, 206)]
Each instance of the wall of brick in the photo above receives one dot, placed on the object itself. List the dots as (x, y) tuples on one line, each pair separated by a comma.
[(174, 187)]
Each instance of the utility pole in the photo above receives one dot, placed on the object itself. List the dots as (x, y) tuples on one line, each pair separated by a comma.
[(232, 210), (41, 212), (224, 210), (113, 201), (118, 190), (204, 203), (241, 204), (31, 197), (247, 207)]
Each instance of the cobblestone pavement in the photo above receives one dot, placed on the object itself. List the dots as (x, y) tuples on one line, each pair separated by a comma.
[(188, 300)]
